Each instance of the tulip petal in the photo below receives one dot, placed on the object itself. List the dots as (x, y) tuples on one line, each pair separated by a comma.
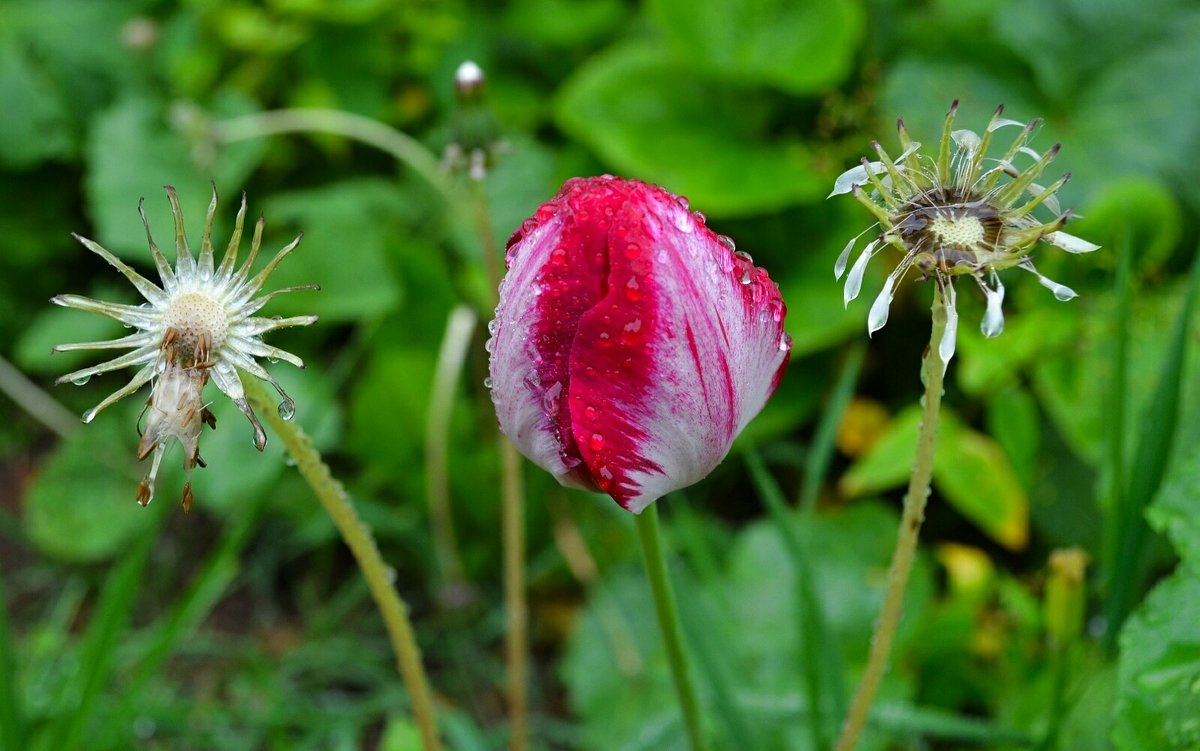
[(630, 344), (662, 384)]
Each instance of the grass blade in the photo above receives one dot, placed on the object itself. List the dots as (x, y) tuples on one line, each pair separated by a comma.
[(1126, 563), (821, 661), (816, 463)]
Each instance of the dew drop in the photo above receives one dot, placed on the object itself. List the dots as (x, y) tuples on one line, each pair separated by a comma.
[(596, 442), (604, 339), (728, 242), (81, 381), (589, 413), (89, 415), (489, 345), (683, 222), (558, 256), (633, 291), (632, 250), (744, 256), (287, 409), (492, 327), (785, 343), (745, 279), (700, 217), (487, 382)]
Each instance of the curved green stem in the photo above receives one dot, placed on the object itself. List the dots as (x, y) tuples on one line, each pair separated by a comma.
[(401, 146), (358, 538), (932, 371), (668, 623)]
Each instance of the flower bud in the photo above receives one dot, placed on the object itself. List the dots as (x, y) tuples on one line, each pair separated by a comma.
[(631, 344)]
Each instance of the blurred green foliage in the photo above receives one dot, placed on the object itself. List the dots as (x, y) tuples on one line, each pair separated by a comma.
[(245, 626)]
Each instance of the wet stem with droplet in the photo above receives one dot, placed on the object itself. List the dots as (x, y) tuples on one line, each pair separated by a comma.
[(933, 370), (358, 538)]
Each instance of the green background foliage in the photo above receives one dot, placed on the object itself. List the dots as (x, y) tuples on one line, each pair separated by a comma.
[(245, 624)]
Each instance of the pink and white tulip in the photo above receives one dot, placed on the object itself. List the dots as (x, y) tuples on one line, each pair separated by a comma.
[(631, 344)]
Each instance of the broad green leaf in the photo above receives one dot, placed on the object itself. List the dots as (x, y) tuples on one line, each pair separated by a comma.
[(1030, 336), (1138, 211), (564, 23), (817, 317), (970, 471), (802, 47), (59, 61), (1176, 511), (133, 152), (1013, 419), (349, 229), (81, 505), (615, 669), (1159, 669), (653, 118)]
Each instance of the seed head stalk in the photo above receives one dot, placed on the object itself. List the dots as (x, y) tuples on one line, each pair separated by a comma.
[(358, 538), (932, 372)]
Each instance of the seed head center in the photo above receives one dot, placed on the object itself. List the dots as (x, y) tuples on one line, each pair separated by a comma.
[(199, 322), (964, 232)]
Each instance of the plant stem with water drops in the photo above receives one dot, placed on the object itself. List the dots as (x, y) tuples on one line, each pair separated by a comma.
[(668, 623), (932, 371), (358, 538)]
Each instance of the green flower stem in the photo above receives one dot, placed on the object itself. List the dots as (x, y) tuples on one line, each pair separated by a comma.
[(516, 645), (358, 538), (460, 331), (401, 146), (932, 371), (668, 623), (512, 532)]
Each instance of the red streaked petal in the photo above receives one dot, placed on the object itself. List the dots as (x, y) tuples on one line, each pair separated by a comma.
[(631, 344)]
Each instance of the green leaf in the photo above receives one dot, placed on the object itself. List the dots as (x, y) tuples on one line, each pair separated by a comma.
[(1137, 211), (970, 471), (81, 506), (1176, 510), (36, 125), (564, 23), (801, 47), (653, 118), (349, 228), (133, 152), (1159, 670)]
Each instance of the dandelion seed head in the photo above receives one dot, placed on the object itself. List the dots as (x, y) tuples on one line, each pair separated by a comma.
[(198, 323), (958, 212)]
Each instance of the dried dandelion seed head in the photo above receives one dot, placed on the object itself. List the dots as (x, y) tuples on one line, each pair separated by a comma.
[(199, 324), (959, 213)]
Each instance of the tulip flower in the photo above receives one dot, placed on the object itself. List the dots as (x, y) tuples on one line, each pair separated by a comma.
[(631, 344)]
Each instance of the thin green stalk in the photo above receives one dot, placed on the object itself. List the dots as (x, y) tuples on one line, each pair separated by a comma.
[(932, 371), (668, 623), (516, 645), (512, 530), (30, 397), (358, 538), (401, 146), (460, 329)]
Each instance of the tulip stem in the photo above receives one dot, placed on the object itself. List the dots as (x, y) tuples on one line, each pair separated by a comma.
[(358, 538), (932, 372), (668, 623), (512, 532)]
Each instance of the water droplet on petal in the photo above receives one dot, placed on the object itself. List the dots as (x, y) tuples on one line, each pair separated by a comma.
[(487, 383), (727, 241), (854, 279), (287, 409), (492, 327), (596, 442), (993, 320), (683, 222), (839, 267), (878, 316), (950, 335)]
